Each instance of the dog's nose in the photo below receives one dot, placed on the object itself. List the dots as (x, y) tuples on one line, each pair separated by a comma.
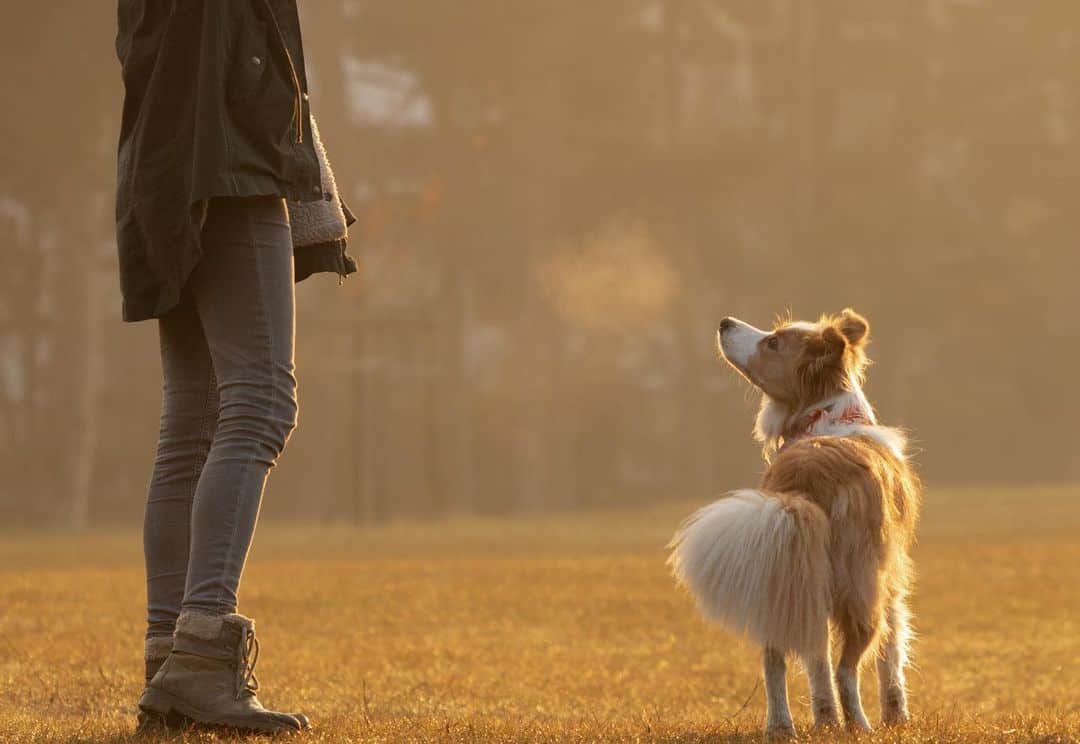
[(726, 324)]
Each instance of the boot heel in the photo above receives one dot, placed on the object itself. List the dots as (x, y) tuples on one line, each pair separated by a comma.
[(151, 723), (156, 703)]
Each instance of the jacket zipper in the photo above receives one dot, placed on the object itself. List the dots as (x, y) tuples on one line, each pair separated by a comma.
[(298, 93)]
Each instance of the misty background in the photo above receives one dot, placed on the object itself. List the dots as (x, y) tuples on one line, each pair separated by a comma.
[(557, 203)]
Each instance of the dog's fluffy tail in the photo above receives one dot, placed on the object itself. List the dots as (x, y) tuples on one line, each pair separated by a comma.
[(758, 563)]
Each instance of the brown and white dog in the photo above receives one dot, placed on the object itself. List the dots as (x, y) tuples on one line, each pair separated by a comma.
[(824, 541)]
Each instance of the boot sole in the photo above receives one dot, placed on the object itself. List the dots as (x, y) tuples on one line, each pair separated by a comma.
[(154, 723), (162, 703)]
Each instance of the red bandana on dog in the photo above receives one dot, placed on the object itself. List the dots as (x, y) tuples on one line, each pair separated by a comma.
[(853, 415)]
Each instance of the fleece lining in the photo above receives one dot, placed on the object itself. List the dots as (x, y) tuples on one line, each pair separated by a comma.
[(321, 221), (208, 627), (158, 647)]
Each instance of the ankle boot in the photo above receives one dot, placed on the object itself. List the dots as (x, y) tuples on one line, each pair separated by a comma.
[(156, 650), (209, 677)]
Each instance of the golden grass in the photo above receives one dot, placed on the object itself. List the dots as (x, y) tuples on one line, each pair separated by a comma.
[(562, 629)]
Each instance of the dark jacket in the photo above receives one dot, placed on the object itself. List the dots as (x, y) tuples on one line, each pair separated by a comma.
[(215, 105)]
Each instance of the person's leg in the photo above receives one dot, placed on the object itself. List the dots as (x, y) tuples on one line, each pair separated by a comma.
[(188, 418), (243, 295), (243, 291)]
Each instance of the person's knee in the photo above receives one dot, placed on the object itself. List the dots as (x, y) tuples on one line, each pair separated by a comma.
[(262, 414), (290, 418), (281, 421)]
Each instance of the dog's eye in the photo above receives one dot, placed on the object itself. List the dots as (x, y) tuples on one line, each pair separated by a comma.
[(773, 343)]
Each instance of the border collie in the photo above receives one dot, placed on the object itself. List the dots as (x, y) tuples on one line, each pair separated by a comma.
[(823, 543)]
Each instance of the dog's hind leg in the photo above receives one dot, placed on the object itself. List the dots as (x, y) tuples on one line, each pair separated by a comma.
[(822, 693), (856, 641), (778, 725), (891, 662)]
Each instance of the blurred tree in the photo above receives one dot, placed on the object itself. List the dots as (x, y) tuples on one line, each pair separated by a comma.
[(59, 176)]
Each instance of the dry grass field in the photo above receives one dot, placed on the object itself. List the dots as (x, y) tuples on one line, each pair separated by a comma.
[(562, 629)]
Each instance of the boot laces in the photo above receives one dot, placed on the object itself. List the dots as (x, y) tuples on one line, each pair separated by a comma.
[(248, 653)]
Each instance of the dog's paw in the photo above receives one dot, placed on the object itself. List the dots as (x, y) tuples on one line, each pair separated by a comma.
[(859, 726), (895, 717), (781, 732), (825, 716)]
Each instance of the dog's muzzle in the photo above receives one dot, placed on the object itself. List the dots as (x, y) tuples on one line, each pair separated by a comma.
[(738, 341)]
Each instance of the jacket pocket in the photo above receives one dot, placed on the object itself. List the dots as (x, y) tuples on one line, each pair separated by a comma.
[(250, 66)]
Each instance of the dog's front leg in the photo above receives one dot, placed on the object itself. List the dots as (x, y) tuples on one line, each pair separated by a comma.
[(778, 722)]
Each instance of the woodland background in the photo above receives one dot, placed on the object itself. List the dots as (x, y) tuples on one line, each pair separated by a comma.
[(558, 201)]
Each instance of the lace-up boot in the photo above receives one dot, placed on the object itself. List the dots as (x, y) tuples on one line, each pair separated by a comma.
[(156, 650), (209, 677)]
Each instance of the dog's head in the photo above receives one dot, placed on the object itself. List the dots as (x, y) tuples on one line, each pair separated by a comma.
[(799, 363)]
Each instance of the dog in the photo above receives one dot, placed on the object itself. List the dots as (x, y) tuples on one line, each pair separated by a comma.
[(821, 548)]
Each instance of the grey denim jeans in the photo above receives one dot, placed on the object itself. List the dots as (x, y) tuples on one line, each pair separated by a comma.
[(229, 406)]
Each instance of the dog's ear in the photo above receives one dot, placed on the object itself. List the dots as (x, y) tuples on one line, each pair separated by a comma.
[(853, 327), (834, 341), (821, 367), (824, 350)]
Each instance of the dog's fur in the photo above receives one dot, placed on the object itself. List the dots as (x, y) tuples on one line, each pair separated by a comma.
[(824, 541)]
